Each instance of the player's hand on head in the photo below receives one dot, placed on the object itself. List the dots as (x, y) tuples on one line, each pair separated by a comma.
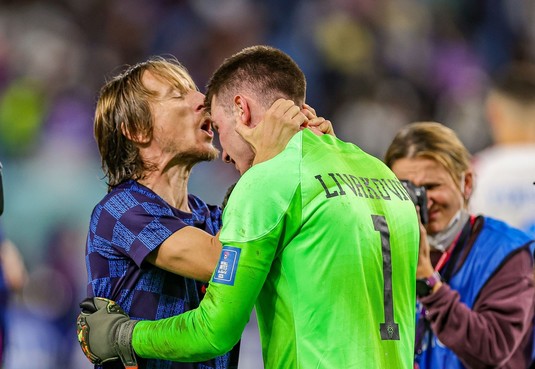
[(279, 124), (318, 125), (321, 126), (104, 332)]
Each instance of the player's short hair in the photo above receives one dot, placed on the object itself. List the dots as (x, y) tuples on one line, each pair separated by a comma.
[(430, 140), (262, 70), (123, 105)]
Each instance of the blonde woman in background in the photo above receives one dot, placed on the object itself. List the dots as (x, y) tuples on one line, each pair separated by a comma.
[(475, 273)]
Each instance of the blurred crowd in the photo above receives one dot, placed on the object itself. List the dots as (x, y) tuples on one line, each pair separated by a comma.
[(372, 66)]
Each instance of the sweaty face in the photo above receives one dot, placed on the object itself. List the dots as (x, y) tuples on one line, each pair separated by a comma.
[(182, 129), (444, 198), (235, 149)]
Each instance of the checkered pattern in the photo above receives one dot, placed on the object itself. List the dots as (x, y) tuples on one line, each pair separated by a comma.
[(129, 223)]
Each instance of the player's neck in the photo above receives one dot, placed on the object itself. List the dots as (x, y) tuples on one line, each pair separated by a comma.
[(171, 185)]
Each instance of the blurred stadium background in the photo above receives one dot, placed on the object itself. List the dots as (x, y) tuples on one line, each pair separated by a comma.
[(372, 66)]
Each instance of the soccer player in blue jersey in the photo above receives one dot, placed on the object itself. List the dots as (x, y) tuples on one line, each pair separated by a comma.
[(150, 242), (322, 238)]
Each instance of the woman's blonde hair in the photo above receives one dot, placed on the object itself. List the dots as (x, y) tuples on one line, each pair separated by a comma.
[(430, 140)]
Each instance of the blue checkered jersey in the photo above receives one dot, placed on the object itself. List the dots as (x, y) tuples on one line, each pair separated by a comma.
[(129, 223)]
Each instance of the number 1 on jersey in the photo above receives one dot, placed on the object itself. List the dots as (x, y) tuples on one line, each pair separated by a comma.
[(389, 329)]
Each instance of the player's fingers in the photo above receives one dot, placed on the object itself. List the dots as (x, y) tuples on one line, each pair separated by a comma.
[(294, 111), (310, 109), (242, 129), (289, 114), (279, 107), (276, 105), (322, 125), (287, 110), (316, 121), (316, 131), (300, 121), (327, 128), (309, 114)]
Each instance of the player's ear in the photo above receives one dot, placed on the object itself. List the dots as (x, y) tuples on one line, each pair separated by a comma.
[(138, 138), (242, 110)]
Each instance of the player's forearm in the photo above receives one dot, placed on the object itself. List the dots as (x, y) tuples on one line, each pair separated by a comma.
[(189, 252), (179, 339)]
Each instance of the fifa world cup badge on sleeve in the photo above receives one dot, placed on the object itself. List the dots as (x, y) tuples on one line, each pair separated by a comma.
[(227, 265)]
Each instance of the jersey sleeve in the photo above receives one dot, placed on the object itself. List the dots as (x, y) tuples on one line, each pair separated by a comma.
[(262, 213), (135, 225)]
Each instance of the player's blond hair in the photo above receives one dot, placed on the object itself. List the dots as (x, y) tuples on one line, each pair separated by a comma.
[(123, 106)]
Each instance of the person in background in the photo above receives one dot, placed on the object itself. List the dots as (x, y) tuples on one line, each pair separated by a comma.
[(13, 276), (150, 243), (322, 238), (505, 172), (475, 273)]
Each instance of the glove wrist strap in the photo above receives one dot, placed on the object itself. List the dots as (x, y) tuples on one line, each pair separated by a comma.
[(123, 344)]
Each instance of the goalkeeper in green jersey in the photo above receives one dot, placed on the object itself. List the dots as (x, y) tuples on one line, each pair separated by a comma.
[(322, 239)]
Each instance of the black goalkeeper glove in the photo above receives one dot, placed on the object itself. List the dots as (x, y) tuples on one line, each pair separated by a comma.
[(105, 332)]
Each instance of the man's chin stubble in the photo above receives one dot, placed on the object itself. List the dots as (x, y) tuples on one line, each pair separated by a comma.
[(212, 155)]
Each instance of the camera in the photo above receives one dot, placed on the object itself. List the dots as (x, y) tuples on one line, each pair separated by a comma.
[(418, 196)]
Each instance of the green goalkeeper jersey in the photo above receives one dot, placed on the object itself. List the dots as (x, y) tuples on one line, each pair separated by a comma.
[(324, 240)]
